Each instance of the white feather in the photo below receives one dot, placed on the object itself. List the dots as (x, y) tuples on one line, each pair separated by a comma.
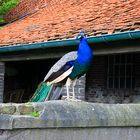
[(60, 63), (62, 77)]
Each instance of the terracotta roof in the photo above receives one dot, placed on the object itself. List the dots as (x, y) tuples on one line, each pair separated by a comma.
[(68, 17)]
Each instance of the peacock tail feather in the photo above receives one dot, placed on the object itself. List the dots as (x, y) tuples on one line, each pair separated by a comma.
[(41, 93)]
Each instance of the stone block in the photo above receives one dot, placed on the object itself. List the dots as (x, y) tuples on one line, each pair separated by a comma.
[(7, 109), (38, 107), (24, 109)]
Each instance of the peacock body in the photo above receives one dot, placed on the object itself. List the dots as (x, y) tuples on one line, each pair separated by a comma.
[(71, 66), (83, 61)]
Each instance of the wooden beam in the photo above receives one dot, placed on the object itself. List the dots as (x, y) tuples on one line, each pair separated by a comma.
[(116, 50), (55, 53)]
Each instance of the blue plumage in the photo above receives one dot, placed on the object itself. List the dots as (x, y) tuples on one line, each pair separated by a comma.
[(84, 52), (80, 65), (84, 59)]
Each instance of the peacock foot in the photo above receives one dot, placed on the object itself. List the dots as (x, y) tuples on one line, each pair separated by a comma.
[(73, 99), (70, 98)]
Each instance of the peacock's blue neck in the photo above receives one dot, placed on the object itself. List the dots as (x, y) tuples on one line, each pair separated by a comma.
[(84, 52)]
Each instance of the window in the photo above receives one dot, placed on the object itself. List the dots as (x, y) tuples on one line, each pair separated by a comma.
[(120, 71)]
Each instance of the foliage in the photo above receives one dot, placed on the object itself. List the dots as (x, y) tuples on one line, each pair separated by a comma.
[(5, 6), (35, 114), (1, 19)]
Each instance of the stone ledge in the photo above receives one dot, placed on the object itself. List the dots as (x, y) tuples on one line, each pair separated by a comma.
[(63, 114)]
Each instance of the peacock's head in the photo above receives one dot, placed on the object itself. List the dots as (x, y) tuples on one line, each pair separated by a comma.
[(81, 35)]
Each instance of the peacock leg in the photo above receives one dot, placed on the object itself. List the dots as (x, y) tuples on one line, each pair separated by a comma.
[(67, 87), (73, 87)]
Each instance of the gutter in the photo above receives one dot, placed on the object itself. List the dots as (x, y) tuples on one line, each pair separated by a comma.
[(129, 35)]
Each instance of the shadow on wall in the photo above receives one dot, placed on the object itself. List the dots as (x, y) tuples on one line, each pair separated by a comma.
[(22, 78)]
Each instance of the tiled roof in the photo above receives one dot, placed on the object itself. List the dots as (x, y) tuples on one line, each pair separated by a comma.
[(68, 17)]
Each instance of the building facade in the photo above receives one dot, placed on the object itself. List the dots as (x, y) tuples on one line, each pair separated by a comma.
[(36, 38)]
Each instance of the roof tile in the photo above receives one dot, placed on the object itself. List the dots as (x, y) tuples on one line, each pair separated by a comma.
[(64, 19)]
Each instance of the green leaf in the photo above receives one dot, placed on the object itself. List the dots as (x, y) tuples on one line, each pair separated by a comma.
[(1, 19), (35, 114), (6, 6)]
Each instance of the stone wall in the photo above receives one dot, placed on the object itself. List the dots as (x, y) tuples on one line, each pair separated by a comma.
[(2, 71), (31, 109), (95, 80), (79, 88), (62, 120), (96, 84), (73, 134)]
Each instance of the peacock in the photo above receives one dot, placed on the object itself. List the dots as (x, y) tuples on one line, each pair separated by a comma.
[(67, 70)]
